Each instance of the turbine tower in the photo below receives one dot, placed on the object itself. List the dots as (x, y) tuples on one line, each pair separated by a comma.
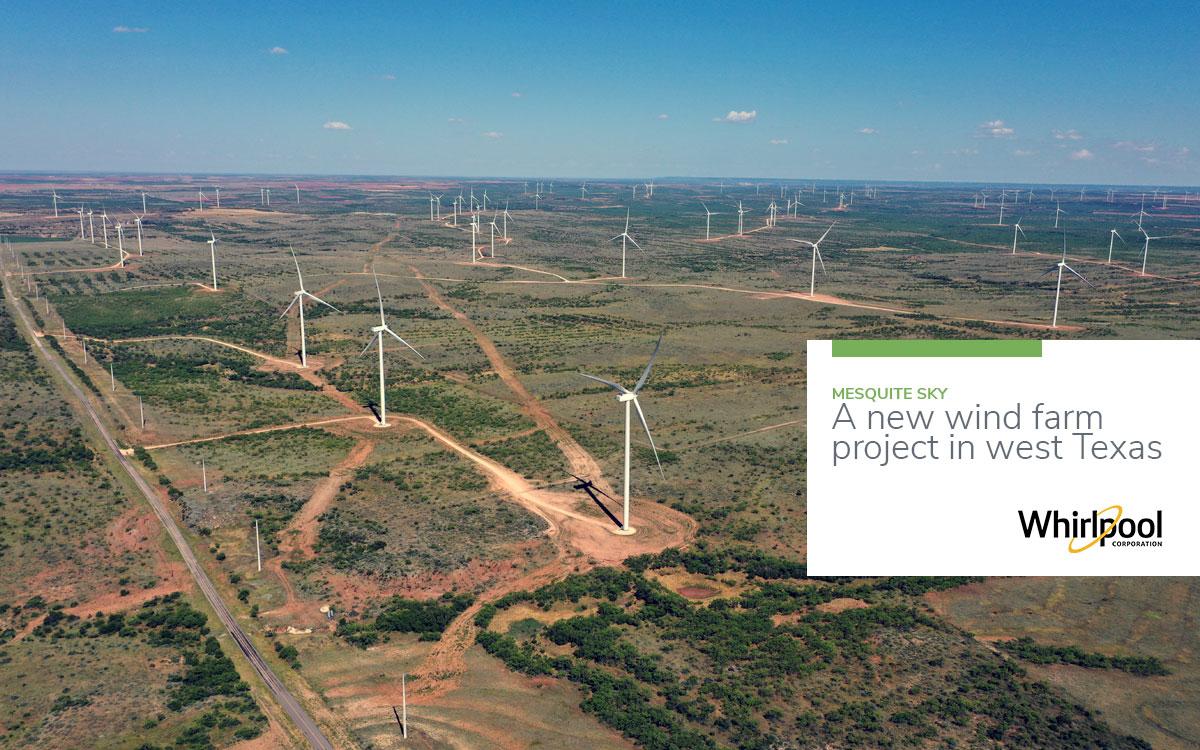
[(298, 301), (80, 212), (104, 226), (377, 338), (212, 252), (816, 258), (624, 237), (91, 227), (54, 200), (741, 212), (138, 221), (630, 399)]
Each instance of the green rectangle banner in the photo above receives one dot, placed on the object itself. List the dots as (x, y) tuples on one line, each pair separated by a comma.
[(937, 348)]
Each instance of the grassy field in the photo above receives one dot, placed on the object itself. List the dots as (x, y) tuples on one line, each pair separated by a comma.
[(352, 516)]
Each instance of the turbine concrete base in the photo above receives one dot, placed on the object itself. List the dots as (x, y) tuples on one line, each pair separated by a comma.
[(624, 531), (383, 425)]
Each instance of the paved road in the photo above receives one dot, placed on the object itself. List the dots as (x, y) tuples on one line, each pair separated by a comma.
[(286, 700)]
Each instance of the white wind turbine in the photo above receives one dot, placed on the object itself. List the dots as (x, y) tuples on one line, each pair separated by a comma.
[(120, 244), (707, 221), (493, 230), (630, 399), (1000, 221), (54, 200), (212, 253), (1062, 264), (1057, 211), (537, 196), (377, 337), (741, 213), (1146, 247), (143, 204), (506, 215), (297, 193), (1113, 234), (104, 226), (298, 301), (201, 194), (431, 206), (475, 254), (623, 237), (80, 212), (1017, 228), (138, 221), (218, 192), (91, 227), (816, 258)]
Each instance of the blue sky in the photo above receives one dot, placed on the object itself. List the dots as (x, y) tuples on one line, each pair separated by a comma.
[(1001, 91)]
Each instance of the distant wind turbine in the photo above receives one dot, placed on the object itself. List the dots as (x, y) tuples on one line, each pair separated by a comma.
[(707, 220), (1017, 228), (298, 302), (212, 254), (1146, 247), (138, 221), (377, 337), (816, 258), (1060, 266), (1113, 234), (54, 200), (623, 237)]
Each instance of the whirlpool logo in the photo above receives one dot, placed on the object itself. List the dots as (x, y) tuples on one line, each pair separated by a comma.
[(1105, 528)]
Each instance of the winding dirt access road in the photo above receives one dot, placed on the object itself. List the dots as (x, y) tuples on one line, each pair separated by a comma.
[(282, 695), (582, 462)]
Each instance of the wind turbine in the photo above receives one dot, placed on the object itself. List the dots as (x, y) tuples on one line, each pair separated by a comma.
[(707, 220), (1062, 264), (377, 337), (431, 206), (1146, 247), (1000, 221), (1017, 228), (506, 217), (143, 204), (212, 252), (54, 200), (138, 220), (201, 194), (104, 226), (537, 196), (1113, 234), (816, 258), (298, 300), (475, 254), (120, 245), (623, 237), (741, 212), (1058, 210), (218, 192), (91, 227), (297, 193), (80, 212), (493, 229), (630, 399)]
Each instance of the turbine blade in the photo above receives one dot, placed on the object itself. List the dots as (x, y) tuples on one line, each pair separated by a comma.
[(639, 247), (1072, 270), (820, 260), (642, 418), (368, 346), (646, 373), (827, 231), (379, 296), (298, 275), (402, 341), (290, 305), (315, 298), (615, 386)]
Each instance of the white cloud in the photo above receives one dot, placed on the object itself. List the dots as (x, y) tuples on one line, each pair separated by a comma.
[(130, 30), (388, 76), (516, 95), (278, 51), (1082, 155), (1184, 152), (994, 129), (493, 135), (336, 125), (1144, 148), (455, 120), (868, 131), (664, 116), (778, 141), (1024, 152), (1068, 135), (964, 152), (736, 116)]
